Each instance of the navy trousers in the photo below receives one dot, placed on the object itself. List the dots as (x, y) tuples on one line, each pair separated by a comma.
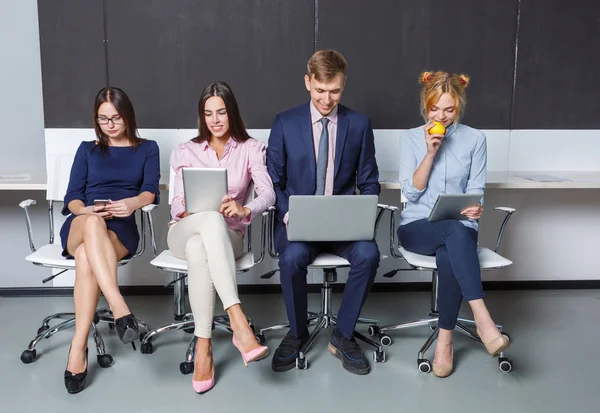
[(294, 258), (455, 250)]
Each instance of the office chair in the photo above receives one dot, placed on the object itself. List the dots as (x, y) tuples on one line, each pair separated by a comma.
[(166, 261), (325, 318), (60, 152), (488, 259)]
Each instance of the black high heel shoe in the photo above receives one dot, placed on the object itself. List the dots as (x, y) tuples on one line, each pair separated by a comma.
[(76, 382), (127, 328)]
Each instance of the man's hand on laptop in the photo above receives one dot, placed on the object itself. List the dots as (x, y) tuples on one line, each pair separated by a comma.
[(231, 209)]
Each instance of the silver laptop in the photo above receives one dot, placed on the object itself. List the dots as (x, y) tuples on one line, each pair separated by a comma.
[(332, 218), (204, 188), (448, 206)]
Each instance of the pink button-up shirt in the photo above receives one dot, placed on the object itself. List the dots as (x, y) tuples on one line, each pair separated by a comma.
[(317, 128), (245, 162)]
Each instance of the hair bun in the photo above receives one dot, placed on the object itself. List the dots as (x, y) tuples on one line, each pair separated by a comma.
[(464, 80), (426, 77)]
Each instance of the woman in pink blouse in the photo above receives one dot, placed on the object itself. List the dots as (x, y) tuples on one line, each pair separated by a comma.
[(211, 241)]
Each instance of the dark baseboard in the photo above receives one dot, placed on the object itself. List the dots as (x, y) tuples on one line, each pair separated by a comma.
[(315, 288)]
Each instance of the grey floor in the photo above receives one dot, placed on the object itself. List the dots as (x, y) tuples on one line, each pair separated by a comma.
[(555, 337)]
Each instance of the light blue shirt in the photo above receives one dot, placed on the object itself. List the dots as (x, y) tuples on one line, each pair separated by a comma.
[(458, 168)]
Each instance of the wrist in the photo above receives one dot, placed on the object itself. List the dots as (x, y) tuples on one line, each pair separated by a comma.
[(247, 212)]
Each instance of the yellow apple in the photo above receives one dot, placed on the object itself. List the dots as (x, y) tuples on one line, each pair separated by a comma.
[(437, 129)]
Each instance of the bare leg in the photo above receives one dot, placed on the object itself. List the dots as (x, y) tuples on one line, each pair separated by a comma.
[(86, 294), (204, 367), (243, 333), (103, 250), (486, 328), (443, 348)]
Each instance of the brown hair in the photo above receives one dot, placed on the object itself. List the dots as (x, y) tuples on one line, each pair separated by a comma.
[(435, 84), (326, 64), (124, 108), (236, 124)]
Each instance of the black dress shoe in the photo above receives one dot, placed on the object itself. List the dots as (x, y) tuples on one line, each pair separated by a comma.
[(127, 328), (285, 356), (349, 352), (76, 382)]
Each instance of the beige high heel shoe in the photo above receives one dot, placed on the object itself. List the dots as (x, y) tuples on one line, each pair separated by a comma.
[(497, 345), (443, 370)]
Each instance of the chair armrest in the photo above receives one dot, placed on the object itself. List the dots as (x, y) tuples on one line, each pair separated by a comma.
[(270, 214), (264, 233), (147, 210), (393, 243), (25, 205), (149, 207), (509, 211)]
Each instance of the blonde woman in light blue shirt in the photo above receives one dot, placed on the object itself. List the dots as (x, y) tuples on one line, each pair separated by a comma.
[(451, 162)]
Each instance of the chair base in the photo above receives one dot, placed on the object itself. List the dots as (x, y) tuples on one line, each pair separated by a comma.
[(424, 364), (46, 331), (323, 320)]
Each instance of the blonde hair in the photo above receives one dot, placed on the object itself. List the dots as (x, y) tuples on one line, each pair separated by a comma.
[(435, 84), (325, 65)]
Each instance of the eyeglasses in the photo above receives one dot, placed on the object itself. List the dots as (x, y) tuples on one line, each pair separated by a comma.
[(116, 120)]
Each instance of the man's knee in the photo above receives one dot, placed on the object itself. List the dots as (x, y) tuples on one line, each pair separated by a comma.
[(296, 256), (366, 256)]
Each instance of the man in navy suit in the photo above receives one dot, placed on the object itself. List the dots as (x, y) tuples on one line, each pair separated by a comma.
[(322, 148)]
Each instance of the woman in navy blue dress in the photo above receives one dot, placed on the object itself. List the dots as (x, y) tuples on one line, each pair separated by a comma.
[(124, 169)]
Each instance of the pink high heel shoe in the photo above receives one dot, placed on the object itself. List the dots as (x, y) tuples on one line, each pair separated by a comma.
[(252, 355), (204, 385)]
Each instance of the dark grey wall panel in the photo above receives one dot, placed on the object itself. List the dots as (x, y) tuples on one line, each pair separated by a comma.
[(73, 64), (559, 56), (389, 42), (164, 53)]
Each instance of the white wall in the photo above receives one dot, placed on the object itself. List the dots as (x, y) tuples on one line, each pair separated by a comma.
[(21, 110), (549, 238)]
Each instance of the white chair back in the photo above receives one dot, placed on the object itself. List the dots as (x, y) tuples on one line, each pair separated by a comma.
[(61, 146)]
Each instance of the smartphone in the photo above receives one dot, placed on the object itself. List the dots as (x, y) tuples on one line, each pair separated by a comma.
[(101, 202)]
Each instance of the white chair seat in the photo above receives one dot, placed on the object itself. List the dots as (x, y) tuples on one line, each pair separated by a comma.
[(488, 259), (325, 260), (50, 255), (166, 260)]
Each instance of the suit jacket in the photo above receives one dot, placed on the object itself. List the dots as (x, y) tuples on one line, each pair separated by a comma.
[(291, 157)]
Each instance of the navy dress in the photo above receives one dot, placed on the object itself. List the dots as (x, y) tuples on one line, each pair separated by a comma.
[(121, 173)]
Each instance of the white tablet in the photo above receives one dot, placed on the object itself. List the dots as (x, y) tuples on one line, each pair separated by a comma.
[(448, 206), (204, 188)]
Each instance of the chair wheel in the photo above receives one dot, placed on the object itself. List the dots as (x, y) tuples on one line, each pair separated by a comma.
[(105, 360), (504, 364), (424, 365), (186, 367), (301, 363), (147, 348), (506, 335), (385, 340), (28, 356), (378, 356), (111, 325), (373, 330), (261, 339), (190, 330), (42, 329)]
